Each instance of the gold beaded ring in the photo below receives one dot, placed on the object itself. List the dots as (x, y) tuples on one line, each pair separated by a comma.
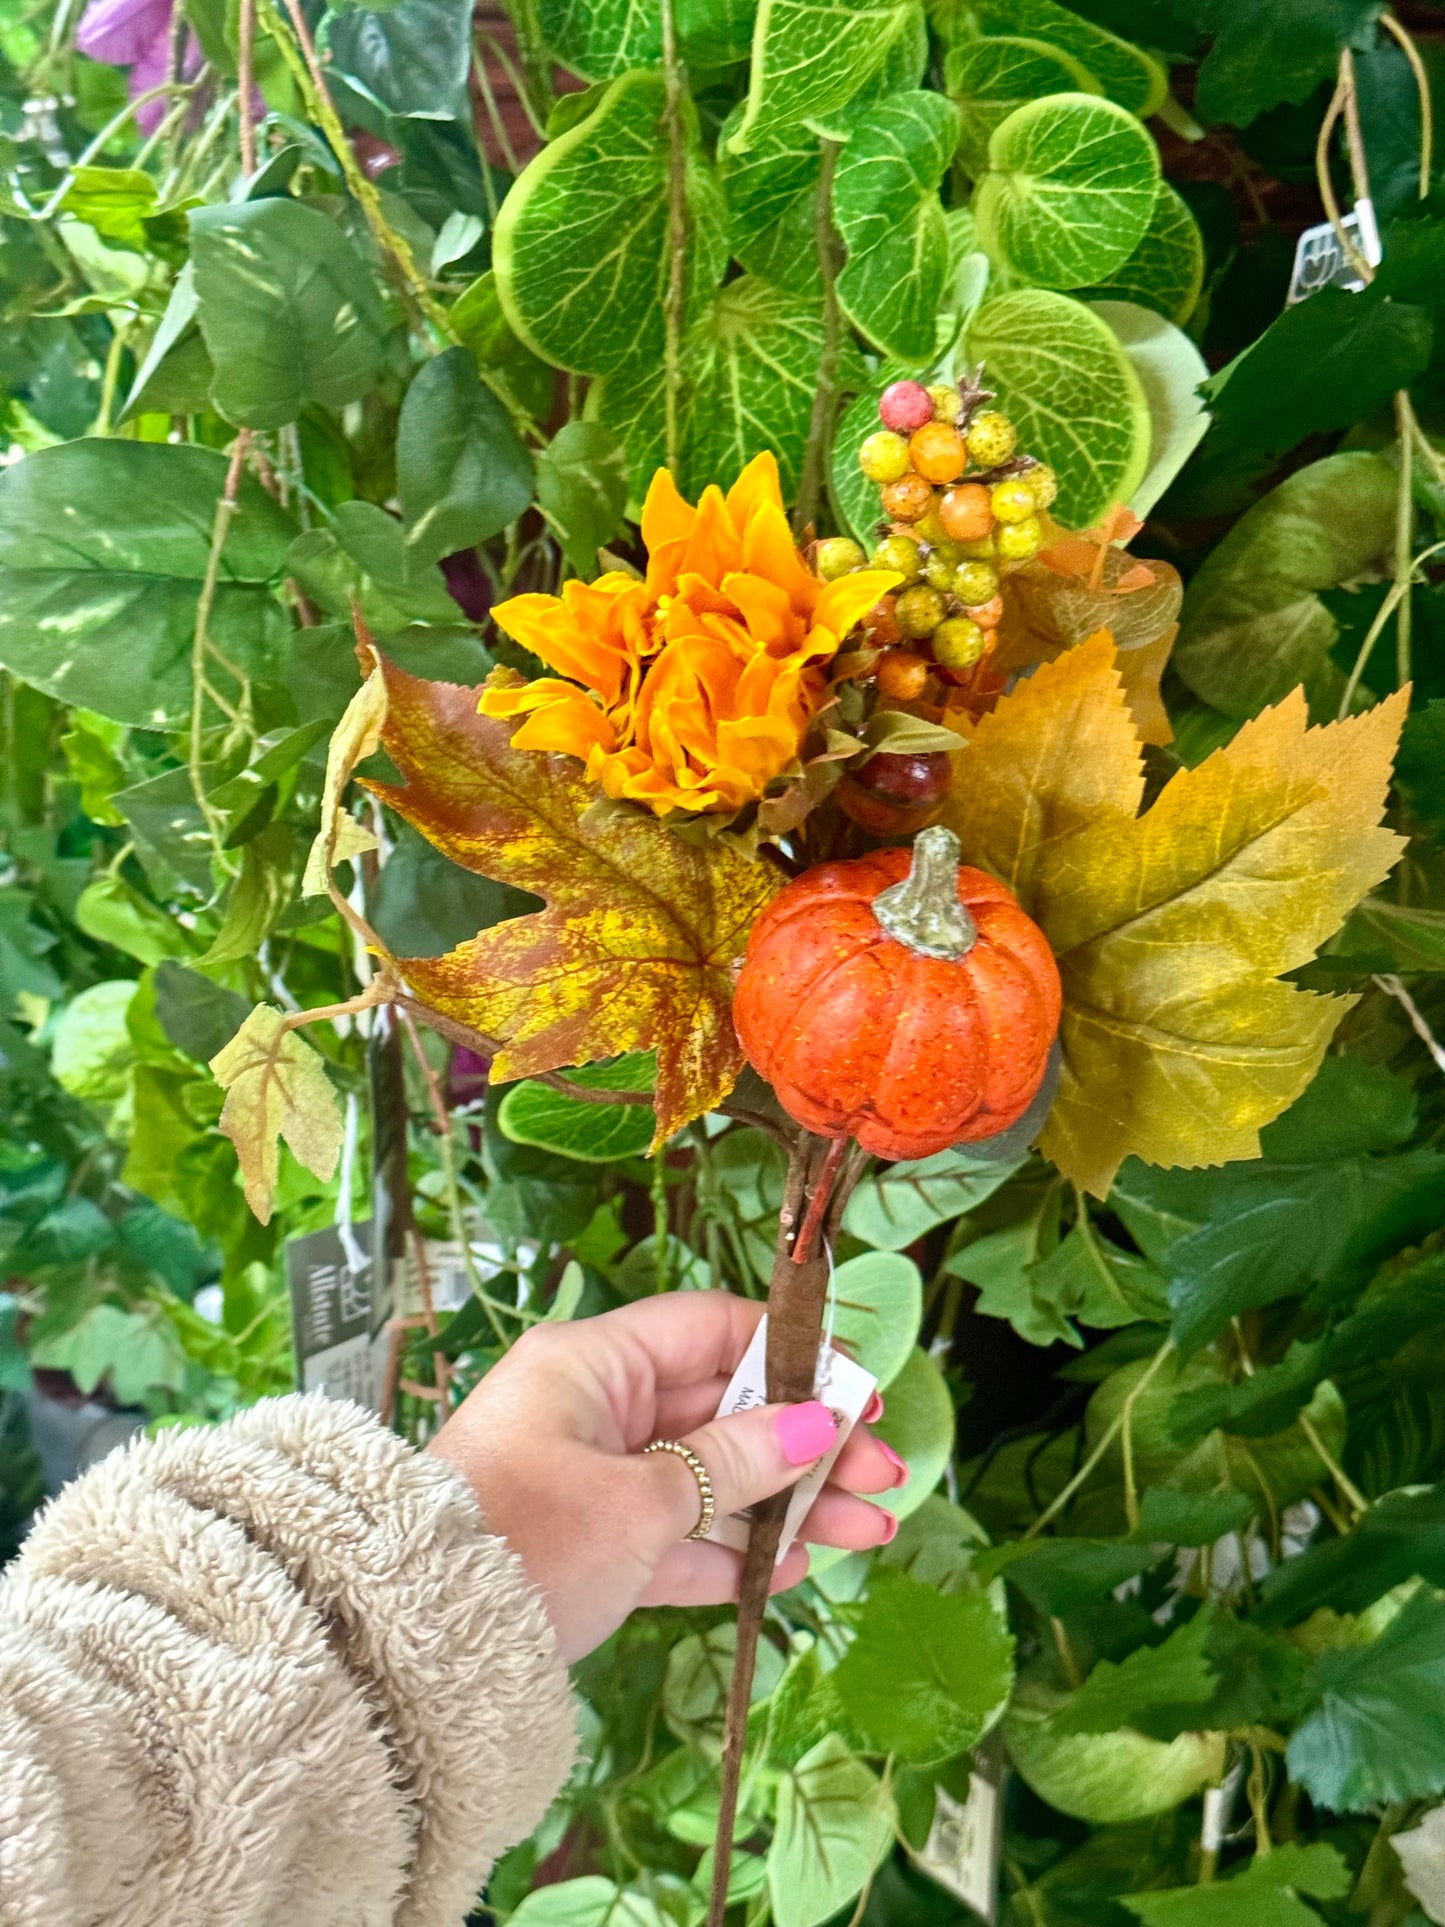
[(704, 1483)]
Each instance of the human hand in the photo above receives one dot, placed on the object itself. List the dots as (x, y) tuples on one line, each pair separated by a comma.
[(551, 1443)]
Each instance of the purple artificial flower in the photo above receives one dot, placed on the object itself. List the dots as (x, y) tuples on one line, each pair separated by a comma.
[(136, 34)]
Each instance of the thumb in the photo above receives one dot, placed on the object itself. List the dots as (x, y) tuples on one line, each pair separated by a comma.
[(748, 1456)]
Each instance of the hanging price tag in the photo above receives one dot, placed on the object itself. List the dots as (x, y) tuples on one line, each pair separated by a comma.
[(1321, 262), (965, 1843), (335, 1318), (845, 1388)]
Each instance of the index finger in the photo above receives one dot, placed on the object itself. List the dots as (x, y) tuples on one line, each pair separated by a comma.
[(684, 1335)]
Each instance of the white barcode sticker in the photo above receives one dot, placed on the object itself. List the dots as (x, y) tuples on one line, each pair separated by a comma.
[(965, 1842), (845, 1388)]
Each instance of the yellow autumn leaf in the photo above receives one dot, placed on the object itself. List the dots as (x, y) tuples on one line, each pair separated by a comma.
[(341, 838), (276, 1087), (1172, 928)]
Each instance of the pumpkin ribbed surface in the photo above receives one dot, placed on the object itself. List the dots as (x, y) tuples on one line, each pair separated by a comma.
[(862, 1036)]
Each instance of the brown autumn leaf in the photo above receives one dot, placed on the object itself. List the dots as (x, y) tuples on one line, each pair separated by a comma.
[(276, 1087), (1172, 928), (1081, 585), (636, 948)]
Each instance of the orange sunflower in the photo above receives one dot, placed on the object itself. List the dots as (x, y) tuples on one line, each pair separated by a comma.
[(692, 689)]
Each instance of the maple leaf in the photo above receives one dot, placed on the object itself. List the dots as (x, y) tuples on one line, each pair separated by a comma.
[(1172, 928), (355, 737), (276, 1086), (1082, 584), (635, 950)]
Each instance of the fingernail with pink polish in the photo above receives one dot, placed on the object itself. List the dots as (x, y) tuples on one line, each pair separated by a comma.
[(873, 1410), (805, 1432), (900, 1470), (890, 1528)]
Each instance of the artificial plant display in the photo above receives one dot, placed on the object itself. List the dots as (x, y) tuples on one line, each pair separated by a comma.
[(710, 646)]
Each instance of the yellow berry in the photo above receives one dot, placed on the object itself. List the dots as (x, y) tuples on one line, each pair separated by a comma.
[(884, 457), (896, 552), (837, 556), (930, 528), (992, 438), (1044, 483), (981, 550), (947, 402), (958, 643), (1012, 501), (920, 610), (1019, 540), (974, 582)]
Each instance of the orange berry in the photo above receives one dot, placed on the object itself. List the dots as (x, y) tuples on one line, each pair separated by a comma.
[(938, 452), (987, 615), (906, 499), (880, 625), (902, 675), (966, 512)]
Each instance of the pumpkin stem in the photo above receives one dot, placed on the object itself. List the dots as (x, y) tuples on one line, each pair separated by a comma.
[(923, 911)]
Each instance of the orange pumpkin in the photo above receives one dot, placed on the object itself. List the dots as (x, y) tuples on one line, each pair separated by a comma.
[(901, 1000)]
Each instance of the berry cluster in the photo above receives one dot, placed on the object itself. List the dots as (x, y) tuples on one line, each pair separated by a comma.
[(961, 506)]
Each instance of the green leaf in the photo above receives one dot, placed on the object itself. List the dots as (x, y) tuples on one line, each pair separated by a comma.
[(990, 78), (1105, 1778), (771, 191), (533, 1113), (1160, 1690), (1375, 1734), (715, 33), (1060, 1576), (1125, 73), (877, 1307), (1089, 1278), (1420, 764), (169, 828), (919, 1424), (412, 57), (582, 490), (1269, 51), (1321, 365), (1264, 1894), (1170, 369), (1191, 1518), (580, 248), (462, 472), (750, 368), (175, 376), (894, 1209), (695, 1686), (588, 1902), (1253, 625), (425, 905), (811, 57), (1401, 1537), (928, 1673), (362, 557), (482, 326), (834, 1824), (109, 910), (137, 1352), (1073, 393), (91, 1052), (103, 548), (1166, 271), (288, 309), (260, 897), (886, 207), (600, 39), (1071, 184), (198, 1017)]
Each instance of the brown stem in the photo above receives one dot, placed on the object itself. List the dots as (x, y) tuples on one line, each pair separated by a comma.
[(825, 394), (675, 295), (820, 1193), (797, 1295)]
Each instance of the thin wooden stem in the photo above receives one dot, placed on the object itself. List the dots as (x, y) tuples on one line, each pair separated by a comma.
[(1404, 538), (825, 393), (246, 92), (220, 527), (674, 298), (1427, 104), (1115, 1427), (1322, 171)]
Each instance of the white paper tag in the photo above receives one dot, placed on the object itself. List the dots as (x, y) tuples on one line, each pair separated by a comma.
[(845, 1388), (964, 1843), (1320, 261)]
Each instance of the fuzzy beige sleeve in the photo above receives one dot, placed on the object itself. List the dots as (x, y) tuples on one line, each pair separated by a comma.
[(271, 1674)]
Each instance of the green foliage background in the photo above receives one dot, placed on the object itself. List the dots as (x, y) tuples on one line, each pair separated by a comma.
[(1175, 1520)]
